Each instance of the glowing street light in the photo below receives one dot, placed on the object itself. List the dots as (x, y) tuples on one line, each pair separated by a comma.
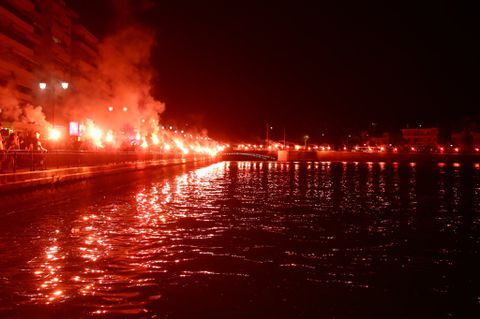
[(110, 108), (54, 91), (125, 109)]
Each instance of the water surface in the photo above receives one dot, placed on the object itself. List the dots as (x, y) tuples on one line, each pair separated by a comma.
[(248, 240)]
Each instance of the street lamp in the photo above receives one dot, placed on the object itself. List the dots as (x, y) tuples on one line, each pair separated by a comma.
[(268, 129), (110, 108), (305, 139), (43, 86)]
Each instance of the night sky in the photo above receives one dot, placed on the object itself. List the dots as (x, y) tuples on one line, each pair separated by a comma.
[(232, 66)]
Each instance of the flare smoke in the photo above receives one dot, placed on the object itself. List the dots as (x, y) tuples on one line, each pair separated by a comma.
[(122, 80), (10, 109)]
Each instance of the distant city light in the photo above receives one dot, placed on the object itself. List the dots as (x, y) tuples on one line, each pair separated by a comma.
[(64, 85), (110, 108), (125, 109), (42, 85)]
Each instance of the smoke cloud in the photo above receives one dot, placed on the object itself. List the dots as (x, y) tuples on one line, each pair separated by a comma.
[(117, 95), (12, 110), (9, 106)]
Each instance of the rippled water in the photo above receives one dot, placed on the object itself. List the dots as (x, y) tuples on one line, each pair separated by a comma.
[(248, 240)]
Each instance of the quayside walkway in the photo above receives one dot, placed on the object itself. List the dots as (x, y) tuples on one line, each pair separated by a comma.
[(28, 170)]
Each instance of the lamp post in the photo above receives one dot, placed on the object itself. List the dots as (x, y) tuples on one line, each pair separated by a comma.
[(63, 85), (268, 128), (305, 139)]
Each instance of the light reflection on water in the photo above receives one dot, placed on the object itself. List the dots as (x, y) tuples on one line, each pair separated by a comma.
[(250, 238)]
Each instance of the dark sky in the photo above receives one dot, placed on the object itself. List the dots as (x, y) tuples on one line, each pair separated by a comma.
[(232, 66)]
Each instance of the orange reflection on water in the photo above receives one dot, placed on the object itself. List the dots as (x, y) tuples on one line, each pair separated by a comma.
[(49, 274)]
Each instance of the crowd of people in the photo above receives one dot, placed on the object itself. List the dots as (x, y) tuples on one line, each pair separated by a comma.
[(15, 143)]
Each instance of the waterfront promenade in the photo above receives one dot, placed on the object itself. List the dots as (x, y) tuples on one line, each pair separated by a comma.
[(66, 167), (349, 156), (61, 167), (346, 156)]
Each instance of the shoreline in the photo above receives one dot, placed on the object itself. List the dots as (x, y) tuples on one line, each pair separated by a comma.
[(341, 156), (44, 178)]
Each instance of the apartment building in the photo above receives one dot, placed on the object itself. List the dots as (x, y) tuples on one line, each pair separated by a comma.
[(41, 41)]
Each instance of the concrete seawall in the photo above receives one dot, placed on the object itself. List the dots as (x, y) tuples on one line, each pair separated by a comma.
[(338, 156), (29, 179)]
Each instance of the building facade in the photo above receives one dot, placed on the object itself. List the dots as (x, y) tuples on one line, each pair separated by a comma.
[(18, 42), (421, 137), (466, 139), (41, 41)]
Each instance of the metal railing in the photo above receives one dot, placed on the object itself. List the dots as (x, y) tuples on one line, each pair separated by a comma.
[(22, 160)]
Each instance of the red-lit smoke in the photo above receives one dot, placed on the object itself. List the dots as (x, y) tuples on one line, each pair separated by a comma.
[(117, 96)]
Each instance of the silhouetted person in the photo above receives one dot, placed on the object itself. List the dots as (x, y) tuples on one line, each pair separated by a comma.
[(2, 153), (11, 147)]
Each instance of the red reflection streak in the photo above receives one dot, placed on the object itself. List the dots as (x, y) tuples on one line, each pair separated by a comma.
[(149, 208), (49, 274), (166, 191), (93, 250), (99, 242)]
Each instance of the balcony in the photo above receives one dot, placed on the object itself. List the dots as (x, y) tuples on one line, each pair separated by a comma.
[(12, 33), (19, 9)]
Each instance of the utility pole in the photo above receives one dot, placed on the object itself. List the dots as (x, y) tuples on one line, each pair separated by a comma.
[(268, 139)]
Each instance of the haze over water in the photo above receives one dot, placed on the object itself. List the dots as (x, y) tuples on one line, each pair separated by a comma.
[(248, 240)]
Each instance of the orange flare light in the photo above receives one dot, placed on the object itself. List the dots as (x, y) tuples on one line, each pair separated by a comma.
[(155, 139), (109, 137), (54, 134)]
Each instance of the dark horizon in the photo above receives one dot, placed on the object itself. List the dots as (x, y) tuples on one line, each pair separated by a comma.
[(311, 69)]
